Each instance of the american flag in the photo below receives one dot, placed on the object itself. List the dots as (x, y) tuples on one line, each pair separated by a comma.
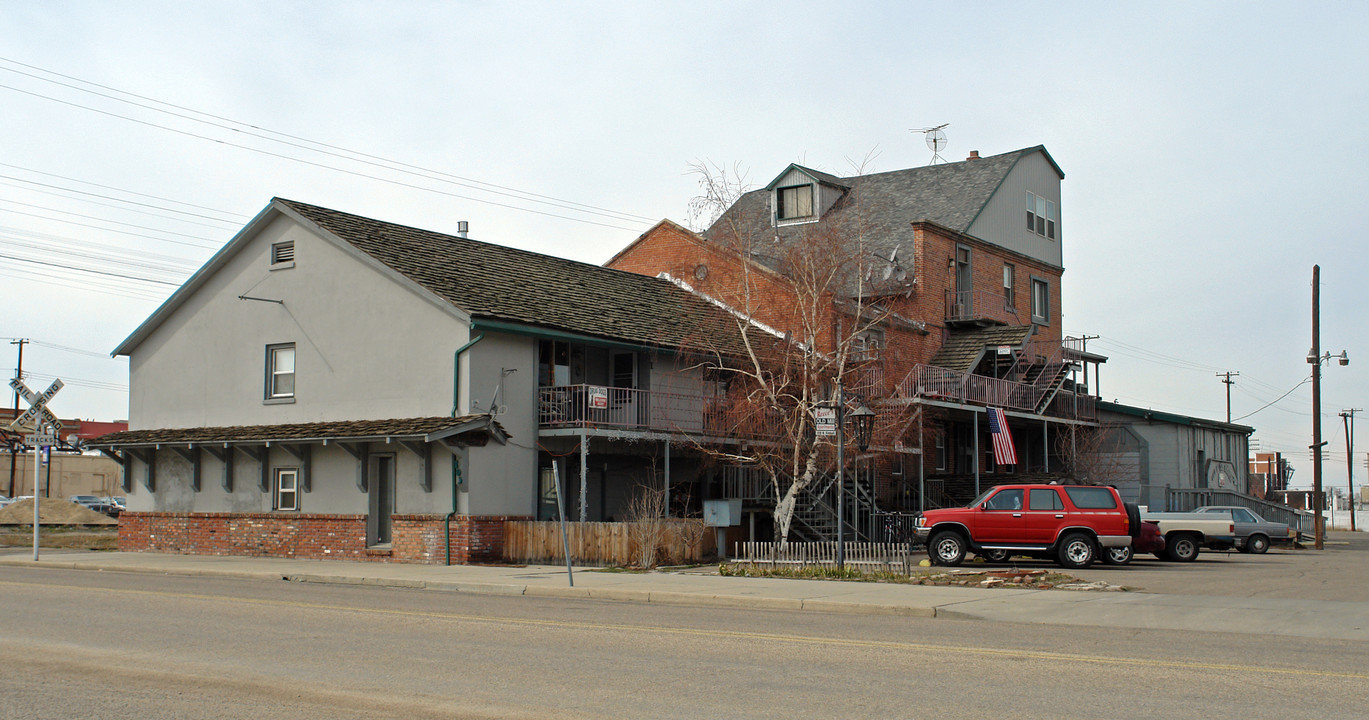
[(1003, 451)]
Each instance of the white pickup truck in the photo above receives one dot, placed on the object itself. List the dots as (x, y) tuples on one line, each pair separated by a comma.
[(1185, 533)]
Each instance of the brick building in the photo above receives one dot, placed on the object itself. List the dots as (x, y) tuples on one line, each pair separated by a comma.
[(960, 266)]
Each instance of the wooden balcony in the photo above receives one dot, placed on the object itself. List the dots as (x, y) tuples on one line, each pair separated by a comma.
[(977, 307)]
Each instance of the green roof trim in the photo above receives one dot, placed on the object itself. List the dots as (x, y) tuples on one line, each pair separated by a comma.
[(1173, 418)]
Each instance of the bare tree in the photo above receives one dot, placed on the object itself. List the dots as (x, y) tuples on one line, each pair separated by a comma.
[(1102, 455), (807, 315)]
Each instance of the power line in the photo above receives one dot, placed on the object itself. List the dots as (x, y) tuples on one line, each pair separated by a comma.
[(105, 229), (312, 163), (1290, 392), (388, 164), (152, 213), (122, 190), (96, 217), (94, 272)]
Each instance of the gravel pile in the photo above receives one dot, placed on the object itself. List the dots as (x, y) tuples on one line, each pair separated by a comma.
[(53, 511)]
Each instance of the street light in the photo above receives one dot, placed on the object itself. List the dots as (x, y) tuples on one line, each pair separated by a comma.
[(864, 420)]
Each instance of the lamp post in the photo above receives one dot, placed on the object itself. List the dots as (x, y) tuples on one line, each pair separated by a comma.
[(864, 420)]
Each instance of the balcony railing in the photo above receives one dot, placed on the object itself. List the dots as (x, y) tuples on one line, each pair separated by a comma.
[(979, 305), (626, 408), (936, 383)]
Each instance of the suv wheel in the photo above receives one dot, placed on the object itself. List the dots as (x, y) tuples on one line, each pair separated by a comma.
[(1182, 547), (1257, 544), (1117, 555), (995, 556), (946, 548), (1077, 551)]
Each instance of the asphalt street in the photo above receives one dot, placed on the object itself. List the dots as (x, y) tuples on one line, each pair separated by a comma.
[(123, 644)]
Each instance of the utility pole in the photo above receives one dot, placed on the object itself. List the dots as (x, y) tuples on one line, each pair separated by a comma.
[(19, 375), (1348, 419), (1226, 380), (1315, 358)]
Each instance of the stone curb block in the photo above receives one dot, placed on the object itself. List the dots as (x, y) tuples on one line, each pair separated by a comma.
[(868, 609), (556, 592)]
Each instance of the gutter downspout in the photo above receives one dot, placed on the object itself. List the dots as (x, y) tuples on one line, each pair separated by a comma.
[(456, 460)]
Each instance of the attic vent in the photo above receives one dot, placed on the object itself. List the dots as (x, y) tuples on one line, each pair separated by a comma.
[(282, 252)]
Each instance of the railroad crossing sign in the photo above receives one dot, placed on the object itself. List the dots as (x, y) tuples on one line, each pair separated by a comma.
[(38, 414)]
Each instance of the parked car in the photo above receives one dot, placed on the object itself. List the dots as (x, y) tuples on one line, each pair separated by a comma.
[(1186, 533), (86, 500), (105, 508), (5, 501), (1071, 523), (119, 500), (1253, 533)]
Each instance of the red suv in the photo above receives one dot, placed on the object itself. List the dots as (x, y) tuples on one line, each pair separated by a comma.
[(1072, 523)]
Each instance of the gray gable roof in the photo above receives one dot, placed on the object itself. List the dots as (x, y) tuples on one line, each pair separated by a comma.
[(950, 194), (504, 283), (494, 282)]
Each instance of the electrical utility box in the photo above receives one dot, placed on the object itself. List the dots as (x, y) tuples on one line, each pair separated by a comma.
[(722, 513)]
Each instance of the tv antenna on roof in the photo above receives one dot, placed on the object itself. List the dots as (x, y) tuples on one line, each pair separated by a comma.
[(936, 140)]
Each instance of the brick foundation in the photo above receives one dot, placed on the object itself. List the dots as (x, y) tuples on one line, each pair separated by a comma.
[(416, 538)]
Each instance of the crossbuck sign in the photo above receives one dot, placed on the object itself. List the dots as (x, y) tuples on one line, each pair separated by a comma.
[(42, 418)]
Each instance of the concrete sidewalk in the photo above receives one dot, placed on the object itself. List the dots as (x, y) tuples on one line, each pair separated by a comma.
[(1303, 618)]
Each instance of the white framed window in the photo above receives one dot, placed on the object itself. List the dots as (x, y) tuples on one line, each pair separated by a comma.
[(280, 372), (282, 254), (867, 345), (1009, 286), (286, 489), (794, 202), (1040, 215), (941, 450), (1041, 301)]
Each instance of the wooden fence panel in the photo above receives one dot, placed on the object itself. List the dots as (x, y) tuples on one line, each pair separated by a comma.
[(679, 542)]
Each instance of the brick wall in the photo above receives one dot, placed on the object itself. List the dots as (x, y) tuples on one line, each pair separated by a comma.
[(415, 538), (673, 249)]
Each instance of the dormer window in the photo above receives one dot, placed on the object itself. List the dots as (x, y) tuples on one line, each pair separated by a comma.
[(794, 202)]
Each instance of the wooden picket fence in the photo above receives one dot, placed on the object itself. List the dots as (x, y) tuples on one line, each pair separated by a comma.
[(893, 557), (678, 542)]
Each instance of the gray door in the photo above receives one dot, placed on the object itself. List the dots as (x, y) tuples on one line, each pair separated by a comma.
[(964, 280), (378, 523)]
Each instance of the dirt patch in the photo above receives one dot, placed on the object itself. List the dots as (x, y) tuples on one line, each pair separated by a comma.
[(53, 511)]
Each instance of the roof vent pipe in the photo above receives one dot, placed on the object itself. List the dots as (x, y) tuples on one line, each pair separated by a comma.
[(463, 228)]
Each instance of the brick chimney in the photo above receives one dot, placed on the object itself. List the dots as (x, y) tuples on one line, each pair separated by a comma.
[(974, 155)]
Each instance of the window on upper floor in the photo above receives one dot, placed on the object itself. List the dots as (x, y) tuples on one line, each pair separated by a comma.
[(1041, 301), (867, 345), (280, 372), (794, 202), (1040, 215), (286, 489), (282, 255), (1009, 286)]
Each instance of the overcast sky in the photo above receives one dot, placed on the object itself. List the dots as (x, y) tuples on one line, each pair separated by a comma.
[(1213, 152)]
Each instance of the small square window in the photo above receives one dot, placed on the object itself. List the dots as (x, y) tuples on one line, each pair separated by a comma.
[(286, 494), (280, 371), (794, 203)]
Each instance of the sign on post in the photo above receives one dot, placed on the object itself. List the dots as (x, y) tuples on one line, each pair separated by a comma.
[(825, 421), (38, 414)]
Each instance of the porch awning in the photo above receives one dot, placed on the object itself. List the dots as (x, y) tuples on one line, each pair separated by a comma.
[(465, 430), (964, 346)]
